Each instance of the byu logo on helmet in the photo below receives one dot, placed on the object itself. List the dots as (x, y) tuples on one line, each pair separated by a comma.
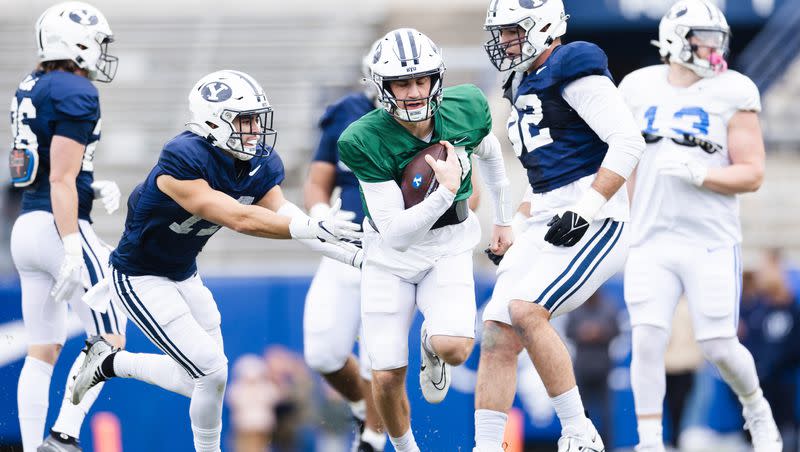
[(216, 92), (532, 4), (417, 181), (81, 16)]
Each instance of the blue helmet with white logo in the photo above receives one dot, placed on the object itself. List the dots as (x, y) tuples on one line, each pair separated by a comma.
[(230, 110)]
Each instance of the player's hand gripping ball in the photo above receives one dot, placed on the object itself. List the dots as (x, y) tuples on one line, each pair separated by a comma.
[(418, 179)]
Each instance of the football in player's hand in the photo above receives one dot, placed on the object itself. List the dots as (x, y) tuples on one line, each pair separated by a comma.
[(418, 179)]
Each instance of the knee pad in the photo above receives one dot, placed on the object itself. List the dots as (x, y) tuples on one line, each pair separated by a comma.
[(217, 378), (649, 342), (325, 358), (719, 351)]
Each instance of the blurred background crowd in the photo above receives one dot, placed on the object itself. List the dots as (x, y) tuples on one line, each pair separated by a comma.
[(306, 54)]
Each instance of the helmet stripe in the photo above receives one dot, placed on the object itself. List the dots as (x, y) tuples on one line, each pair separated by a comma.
[(413, 43), (250, 81), (401, 48)]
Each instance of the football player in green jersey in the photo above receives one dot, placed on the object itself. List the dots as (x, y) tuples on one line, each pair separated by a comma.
[(420, 257)]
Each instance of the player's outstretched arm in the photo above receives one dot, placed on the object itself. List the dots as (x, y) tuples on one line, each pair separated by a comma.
[(347, 251), (198, 198), (493, 172), (746, 151)]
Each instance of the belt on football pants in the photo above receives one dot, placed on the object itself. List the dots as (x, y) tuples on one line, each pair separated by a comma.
[(455, 214)]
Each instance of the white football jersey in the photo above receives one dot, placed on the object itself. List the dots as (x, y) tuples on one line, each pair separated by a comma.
[(667, 204)]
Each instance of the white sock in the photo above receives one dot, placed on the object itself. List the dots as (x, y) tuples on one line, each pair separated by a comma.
[(569, 409), (33, 390), (70, 417), (205, 410), (650, 432), (206, 440), (405, 443), (158, 370), (489, 429), (375, 439), (753, 401), (359, 409)]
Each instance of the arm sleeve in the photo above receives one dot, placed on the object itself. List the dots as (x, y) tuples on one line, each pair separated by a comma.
[(400, 228), (493, 172), (330, 250), (601, 105)]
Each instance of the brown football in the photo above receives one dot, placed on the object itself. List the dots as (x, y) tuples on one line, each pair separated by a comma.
[(418, 179)]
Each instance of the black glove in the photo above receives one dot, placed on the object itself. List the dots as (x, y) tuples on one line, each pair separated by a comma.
[(495, 258), (566, 230)]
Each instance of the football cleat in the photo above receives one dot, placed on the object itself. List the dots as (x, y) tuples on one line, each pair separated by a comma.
[(580, 440), (97, 350), (66, 443), (434, 374), (364, 446), (763, 430)]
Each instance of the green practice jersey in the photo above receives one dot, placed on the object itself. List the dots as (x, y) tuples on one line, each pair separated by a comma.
[(377, 148)]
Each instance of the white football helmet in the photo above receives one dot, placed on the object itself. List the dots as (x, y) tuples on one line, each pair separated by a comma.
[(699, 19), (405, 54), (79, 32), (230, 110), (542, 20)]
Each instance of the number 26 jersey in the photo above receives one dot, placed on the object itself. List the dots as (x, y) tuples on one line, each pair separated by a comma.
[(673, 119)]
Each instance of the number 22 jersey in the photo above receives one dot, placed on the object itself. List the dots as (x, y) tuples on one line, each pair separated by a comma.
[(667, 115)]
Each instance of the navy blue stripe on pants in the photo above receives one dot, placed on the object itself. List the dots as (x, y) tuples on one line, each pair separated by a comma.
[(150, 328), (596, 264)]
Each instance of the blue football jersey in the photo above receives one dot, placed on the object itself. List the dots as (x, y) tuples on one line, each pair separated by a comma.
[(163, 239), (554, 144), (333, 122), (45, 105)]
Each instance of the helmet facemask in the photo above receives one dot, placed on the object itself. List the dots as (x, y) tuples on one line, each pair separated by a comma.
[(106, 67), (402, 109), (715, 39), (251, 133), (498, 50)]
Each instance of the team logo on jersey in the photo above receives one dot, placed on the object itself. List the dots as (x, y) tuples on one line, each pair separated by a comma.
[(532, 4), (216, 92), (83, 17), (417, 181)]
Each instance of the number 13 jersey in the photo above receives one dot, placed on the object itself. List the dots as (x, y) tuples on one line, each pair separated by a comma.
[(163, 239), (673, 119)]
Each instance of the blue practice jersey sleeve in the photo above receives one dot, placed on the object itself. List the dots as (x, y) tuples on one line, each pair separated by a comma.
[(183, 162), (580, 59), (80, 131), (327, 150)]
